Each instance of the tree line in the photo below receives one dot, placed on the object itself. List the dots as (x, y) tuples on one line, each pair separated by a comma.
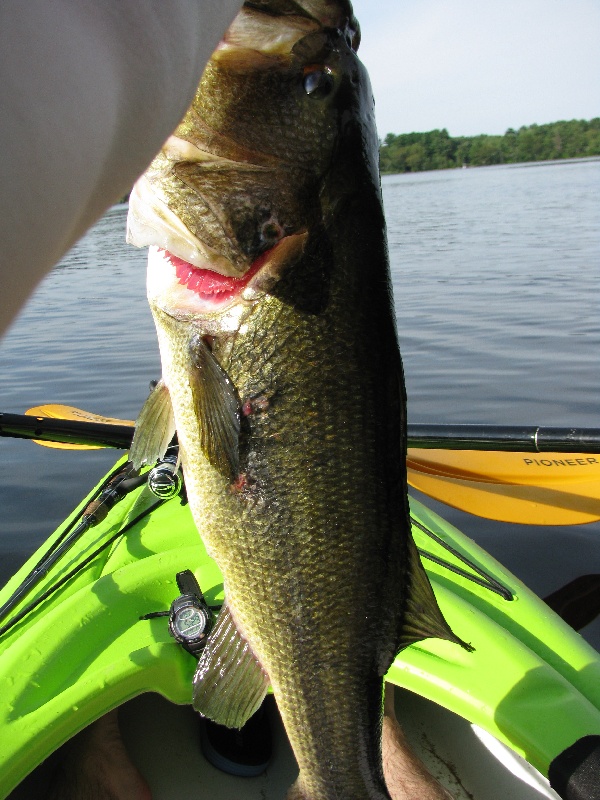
[(415, 152)]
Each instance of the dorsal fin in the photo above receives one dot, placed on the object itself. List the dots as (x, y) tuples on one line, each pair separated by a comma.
[(422, 616)]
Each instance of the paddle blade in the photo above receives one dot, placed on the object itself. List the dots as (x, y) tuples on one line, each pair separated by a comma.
[(531, 489), (57, 411), (65, 446)]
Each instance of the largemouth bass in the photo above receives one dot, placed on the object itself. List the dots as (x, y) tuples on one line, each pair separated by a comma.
[(269, 284)]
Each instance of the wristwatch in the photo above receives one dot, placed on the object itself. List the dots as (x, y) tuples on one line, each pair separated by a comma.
[(190, 618)]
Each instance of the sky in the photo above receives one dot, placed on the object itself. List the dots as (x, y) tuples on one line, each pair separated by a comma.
[(480, 66)]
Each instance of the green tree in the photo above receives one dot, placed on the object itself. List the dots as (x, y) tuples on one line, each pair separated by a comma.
[(413, 152)]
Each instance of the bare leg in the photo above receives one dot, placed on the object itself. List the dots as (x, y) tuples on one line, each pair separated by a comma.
[(97, 767), (405, 774)]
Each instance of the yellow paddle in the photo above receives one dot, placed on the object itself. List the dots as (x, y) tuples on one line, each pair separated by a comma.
[(527, 488), (517, 487), (57, 411)]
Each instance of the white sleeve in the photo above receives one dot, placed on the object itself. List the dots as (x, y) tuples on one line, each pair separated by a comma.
[(89, 91)]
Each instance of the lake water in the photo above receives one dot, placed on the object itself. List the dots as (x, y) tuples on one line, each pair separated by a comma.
[(496, 276)]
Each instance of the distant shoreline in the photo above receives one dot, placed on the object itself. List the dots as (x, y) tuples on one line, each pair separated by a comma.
[(515, 165), (433, 150)]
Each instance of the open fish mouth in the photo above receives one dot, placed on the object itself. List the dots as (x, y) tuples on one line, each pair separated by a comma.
[(209, 285), (184, 289)]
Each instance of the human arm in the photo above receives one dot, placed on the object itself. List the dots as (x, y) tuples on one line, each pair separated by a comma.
[(89, 91)]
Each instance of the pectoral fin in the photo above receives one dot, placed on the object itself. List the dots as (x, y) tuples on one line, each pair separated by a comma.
[(229, 684), (154, 428), (217, 408)]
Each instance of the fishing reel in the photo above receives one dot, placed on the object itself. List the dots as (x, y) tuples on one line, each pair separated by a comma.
[(164, 480)]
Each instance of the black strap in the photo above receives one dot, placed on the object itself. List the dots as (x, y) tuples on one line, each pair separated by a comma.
[(482, 578), (187, 583)]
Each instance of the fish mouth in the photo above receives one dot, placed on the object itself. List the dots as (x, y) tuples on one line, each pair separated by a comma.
[(211, 286), (184, 289)]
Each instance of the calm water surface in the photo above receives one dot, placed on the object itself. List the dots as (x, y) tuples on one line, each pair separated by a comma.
[(496, 277)]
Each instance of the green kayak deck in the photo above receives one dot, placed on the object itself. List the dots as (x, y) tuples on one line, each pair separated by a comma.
[(85, 646)]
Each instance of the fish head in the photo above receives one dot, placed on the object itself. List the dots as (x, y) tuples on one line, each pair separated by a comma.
[(274, 141)]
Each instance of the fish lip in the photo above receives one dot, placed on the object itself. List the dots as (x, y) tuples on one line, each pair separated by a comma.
[(185, 290), (210, 285)]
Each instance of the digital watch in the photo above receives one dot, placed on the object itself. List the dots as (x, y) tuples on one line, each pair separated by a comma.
[(190, 618)]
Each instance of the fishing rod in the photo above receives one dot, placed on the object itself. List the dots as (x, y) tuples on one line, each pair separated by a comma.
[(78, 427)]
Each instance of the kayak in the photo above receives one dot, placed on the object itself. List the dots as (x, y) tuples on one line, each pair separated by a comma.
[(90, 623)]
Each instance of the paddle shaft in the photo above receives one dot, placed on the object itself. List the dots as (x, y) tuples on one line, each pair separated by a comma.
[(506, 438), (100, 434), (514, 489)]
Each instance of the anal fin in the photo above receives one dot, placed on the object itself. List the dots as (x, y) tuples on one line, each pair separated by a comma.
[(229, 684)]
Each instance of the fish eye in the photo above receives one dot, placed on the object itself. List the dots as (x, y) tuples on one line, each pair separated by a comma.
[(317, 82), (271, 232)]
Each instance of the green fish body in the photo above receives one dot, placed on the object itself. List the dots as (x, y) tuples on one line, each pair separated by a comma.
[(286, 385)]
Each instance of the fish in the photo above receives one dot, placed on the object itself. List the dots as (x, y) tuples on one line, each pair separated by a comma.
[(269, 283)]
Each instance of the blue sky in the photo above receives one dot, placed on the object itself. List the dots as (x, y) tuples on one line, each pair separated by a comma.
[(480, 66)]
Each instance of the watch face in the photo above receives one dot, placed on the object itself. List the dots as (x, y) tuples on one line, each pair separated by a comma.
[(189, 623)]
